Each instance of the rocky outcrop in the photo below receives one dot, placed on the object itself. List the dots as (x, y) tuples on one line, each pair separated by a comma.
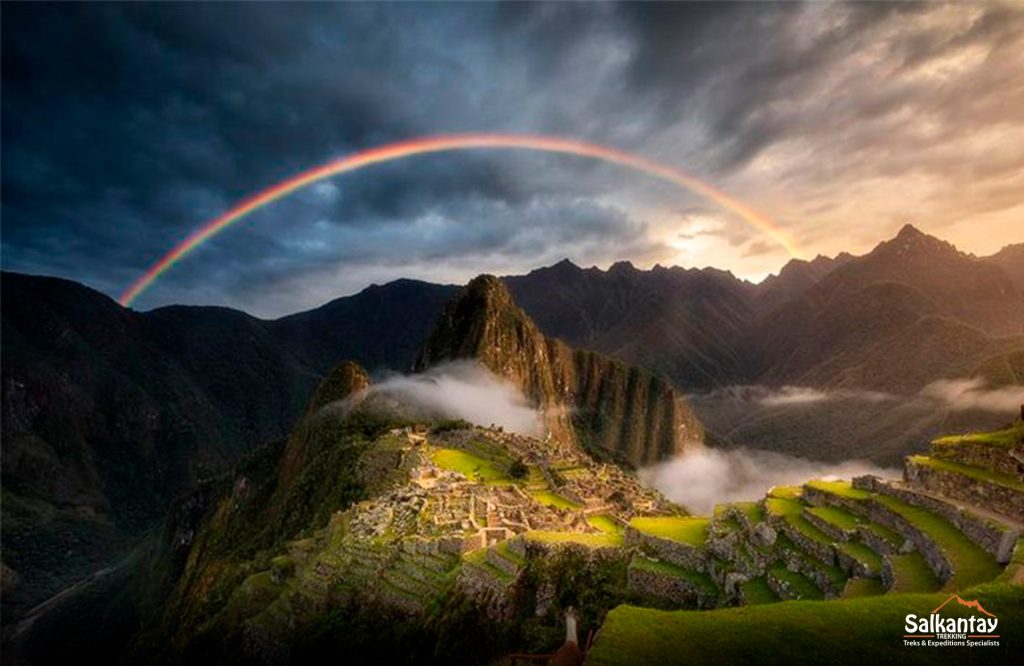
[(611, 409)]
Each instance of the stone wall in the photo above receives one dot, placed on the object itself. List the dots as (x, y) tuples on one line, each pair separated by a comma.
[(673, 552), (876, 512), (987, 494), (986, 456), (998, 540), (679, 591)]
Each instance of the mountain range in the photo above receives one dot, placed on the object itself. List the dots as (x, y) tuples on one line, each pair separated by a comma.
[(109, 413)]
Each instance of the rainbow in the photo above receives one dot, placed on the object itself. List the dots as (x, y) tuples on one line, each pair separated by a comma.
[(445, 143)]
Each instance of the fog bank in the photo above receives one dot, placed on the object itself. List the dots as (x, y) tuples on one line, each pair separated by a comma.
[(706, 477), (459, 390)]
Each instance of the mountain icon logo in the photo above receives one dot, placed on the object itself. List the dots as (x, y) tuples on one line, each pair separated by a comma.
[(976, 605)]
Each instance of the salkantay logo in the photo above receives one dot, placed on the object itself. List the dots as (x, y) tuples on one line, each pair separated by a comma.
[(937, 631)]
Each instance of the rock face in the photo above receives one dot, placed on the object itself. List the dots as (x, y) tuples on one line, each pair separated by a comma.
[(609, 408)]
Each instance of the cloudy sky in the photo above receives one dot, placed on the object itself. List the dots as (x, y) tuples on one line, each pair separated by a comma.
[(126, 126)]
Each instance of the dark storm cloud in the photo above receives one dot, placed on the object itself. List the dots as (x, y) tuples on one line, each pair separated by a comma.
[(125, 126)]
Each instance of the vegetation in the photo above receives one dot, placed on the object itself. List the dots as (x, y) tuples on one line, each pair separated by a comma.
[(976, 473), (757, 591), (665, 568), (553, 499), (688, 530), (604, 523), (791, 632), (592, 540), (518, 470), (469, 465), (912, 574), (1010, 436)]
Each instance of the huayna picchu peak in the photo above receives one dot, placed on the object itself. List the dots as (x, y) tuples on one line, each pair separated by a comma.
[(609, 408)]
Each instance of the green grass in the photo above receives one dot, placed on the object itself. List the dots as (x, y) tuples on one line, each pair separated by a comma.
[(549, 498), (502, 549), (912, 574), (687, 530), (975, 473), (752, 511), (862, 554), (606, 524), (1006, 437), (785, 492), (844, 520), (797, 582), (469, 465), (478, 558), (664, 568), (834, 573), (971, 564), (863, 587), (792, 512), (890, 536), (591, 540), (756, 591), (844, 632)]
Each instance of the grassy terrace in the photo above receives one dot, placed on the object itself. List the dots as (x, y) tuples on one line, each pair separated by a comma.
[(504, 551), (798, 583), (971, 564), (1006, 437), (606, 524), (844, 520), (756, 591), (975, 473), (470, 466), (478, 558), (834, 573), (861, 553), (840, 488), (664, 568), (591, 540), (792, 512), (687, 530), (863, 587), (552, 499), (752, 511), (844, 632), (912, 574)]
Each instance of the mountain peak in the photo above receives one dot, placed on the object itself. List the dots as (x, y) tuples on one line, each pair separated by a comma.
[(910, 231), (585, 398)]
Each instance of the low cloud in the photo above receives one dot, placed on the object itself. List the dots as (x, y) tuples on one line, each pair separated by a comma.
[(458, 390), (968, 394), (706, 477), (787, 396)]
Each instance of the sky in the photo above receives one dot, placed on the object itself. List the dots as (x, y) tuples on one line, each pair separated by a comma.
[(126, 126)]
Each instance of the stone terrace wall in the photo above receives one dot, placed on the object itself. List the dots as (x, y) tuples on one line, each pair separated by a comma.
[(987, 494), (986, 456), (998, 540), (879, 513), (677, 590), (673, 552)]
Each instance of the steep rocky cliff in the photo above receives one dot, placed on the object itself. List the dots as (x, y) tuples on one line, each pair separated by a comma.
[(612, 409)]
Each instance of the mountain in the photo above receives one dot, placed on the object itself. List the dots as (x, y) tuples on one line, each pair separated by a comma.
[(109, 413), (893, 319), (611, 409), (1011, 260), (685, 325), (795, 278)]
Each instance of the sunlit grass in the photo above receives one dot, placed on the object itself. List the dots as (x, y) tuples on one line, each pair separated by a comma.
[(688, 530)]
